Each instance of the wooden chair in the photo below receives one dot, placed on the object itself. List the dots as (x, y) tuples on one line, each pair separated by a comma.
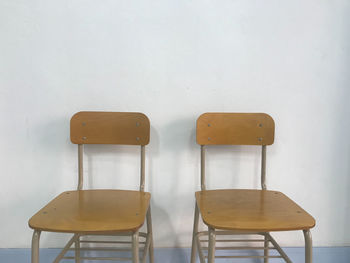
[(86, 213), (244, 212)]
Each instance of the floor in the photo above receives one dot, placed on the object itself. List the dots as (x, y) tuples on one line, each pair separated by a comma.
[(182, 255)]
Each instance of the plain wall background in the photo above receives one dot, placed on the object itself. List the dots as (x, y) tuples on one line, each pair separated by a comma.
[(174, 60)]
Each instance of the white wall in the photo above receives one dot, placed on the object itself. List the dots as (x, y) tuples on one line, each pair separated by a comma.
[(174, 60)]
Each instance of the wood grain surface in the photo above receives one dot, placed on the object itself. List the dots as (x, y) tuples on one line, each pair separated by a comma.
[(129, 128), (93, 211), (235, 129), (251, 210)]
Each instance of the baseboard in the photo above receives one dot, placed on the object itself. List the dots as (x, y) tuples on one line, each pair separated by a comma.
[(182, 255)]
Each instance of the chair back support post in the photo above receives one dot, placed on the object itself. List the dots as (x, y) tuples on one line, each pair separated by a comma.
[(203, 168), (142, 175), (235, 129), (80, 166), (263, 167), (118, 128)]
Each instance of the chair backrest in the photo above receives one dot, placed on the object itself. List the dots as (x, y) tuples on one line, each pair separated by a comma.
[(129, 128), (235, 129)]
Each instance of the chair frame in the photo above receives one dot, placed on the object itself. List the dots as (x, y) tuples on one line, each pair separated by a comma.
[(212, 232), (76, 239)]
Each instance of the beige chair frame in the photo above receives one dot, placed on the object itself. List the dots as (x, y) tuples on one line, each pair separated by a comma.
[(76, 240), (268, 242)]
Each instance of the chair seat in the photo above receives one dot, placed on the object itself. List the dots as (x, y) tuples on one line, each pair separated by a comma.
[(251, 210), (93, 211)]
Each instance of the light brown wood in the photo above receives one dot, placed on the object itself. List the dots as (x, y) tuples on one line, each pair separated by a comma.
[(93, 211), (252, 210), (129, 128), (235, 129)]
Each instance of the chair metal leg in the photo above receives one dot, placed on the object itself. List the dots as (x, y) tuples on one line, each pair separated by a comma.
[(150, 233), (308, 246), (77, 250), (211, 249), (266, 249), (195, 231), (135, 247), (35, 246)]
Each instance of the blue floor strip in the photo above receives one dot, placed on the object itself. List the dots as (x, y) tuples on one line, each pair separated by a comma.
[(182, 255)]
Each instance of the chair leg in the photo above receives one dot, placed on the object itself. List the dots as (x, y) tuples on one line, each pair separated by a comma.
[(35, 246), (77, 250), (308, 246), (135, 247), (150, 233), (211, 249), (194, 235), (266, 249)]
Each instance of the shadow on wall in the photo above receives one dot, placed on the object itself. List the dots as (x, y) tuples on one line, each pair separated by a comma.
[(343, 162), (111, 166), (50, 142), (175, 201), (119, 164), (240, 166), (47, 155), (338, 147)]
